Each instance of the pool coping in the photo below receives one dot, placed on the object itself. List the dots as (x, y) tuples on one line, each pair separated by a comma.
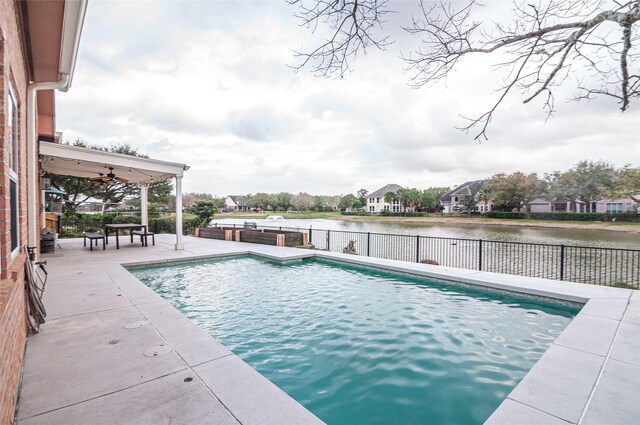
[(576, 359), (573, 382)]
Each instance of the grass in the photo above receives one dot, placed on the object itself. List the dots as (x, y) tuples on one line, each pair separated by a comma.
[(289, 215)]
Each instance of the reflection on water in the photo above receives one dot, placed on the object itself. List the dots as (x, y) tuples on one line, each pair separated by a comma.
[(499, 233)]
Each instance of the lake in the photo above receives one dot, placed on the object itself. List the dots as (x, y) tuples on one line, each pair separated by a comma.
[(595, 238)]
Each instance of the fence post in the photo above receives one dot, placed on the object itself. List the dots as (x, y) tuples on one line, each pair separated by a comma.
[(480, 254), (310, 233), (328, 240), (561, 262), (368, 243), (418, 249)]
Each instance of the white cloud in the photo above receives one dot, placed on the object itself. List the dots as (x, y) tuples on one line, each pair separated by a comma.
[(207, 84)]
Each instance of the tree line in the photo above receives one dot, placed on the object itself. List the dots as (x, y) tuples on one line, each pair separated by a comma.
[(585, 183)]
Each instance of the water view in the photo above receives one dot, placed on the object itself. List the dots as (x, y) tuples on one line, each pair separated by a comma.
[(578, 237)]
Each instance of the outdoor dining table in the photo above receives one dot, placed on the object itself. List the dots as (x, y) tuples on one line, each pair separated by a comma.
[(123, 226)]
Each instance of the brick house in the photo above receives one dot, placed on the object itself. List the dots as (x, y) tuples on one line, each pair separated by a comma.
[(38, 47), (376, 203)]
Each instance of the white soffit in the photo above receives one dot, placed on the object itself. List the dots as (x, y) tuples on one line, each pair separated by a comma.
[(75, 161)]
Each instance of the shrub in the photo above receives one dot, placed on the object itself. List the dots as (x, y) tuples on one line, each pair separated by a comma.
[(505, 214)]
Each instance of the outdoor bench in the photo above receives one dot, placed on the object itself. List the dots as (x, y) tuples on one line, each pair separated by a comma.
[(93, 236)]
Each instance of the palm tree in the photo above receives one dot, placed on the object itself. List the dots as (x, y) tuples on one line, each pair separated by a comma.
[(485, 196)]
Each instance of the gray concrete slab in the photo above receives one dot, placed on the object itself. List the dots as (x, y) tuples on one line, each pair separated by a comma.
[(195, 345), (84, 356), (78, 297), (616, 401), (632, 315), (514, 413), (166, 400), (609, 308), (560, 383), (250, 396), (627, 346), (588, 333)]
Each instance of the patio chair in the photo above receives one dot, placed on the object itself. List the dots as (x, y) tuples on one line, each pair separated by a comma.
[(144, 237)]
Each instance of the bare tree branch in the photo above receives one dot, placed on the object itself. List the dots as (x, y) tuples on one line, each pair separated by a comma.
[(353, 24), (546, 43)]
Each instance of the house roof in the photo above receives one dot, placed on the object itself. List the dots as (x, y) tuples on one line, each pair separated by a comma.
[(464, 189), (392, 187), (238, 199)]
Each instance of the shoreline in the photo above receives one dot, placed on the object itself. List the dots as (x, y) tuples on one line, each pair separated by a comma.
[(540, 224), (458, 221)]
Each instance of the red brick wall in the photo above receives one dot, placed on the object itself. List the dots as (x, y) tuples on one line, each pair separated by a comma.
[(13, 334), (13, 319)]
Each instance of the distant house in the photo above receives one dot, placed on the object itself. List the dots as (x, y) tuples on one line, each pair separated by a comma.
[(453, 198), (376, 202), (611, 206), (235, 203)]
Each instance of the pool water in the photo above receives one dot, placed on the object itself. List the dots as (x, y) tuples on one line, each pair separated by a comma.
[(364, 346)]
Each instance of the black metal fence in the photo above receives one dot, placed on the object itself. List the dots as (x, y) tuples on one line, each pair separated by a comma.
[(599, 266)]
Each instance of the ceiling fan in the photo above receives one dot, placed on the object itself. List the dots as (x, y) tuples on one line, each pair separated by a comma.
[(109, 178)]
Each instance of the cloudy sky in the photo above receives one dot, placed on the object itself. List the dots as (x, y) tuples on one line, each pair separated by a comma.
[(207, 84)]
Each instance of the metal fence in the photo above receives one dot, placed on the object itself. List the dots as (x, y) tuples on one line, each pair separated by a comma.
[(599, 266)]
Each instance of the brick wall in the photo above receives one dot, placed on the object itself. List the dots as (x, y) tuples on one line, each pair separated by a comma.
[(13, 334), (13, 318)]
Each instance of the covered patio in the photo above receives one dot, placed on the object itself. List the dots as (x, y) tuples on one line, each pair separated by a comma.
[(67, 160)]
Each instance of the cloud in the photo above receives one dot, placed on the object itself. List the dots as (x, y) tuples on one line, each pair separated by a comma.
[(207, 84)]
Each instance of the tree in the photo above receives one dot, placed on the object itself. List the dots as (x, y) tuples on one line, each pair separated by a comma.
[(585, 183), (543, 45), (346, 202), (514, 190), (260, 200), (389, 197), (627, 184), (484, 196), (362, 196), (302, 201), (357, 204), (204, 210), (429, 200), (281, 201), (467, 203)]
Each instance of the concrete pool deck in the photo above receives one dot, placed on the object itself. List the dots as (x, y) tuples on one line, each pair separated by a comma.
[(112, 351)]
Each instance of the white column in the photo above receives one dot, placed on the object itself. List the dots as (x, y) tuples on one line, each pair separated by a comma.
[(144, 202), (179, 243)]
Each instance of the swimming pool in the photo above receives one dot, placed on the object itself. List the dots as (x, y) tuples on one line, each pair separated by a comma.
[(358, 345)]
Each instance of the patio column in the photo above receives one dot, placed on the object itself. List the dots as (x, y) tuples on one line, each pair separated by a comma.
[(144, 202), (179, 243)]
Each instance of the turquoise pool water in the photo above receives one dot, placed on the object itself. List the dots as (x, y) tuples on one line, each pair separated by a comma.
[(363, 346)]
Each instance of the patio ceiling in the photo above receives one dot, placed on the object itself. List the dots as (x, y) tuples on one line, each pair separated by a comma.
[(83, 162)]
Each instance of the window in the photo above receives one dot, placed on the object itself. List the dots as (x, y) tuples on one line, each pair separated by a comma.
[(396, 206), (377, 200), (13, 146), (372, 208), (371, 200), (455, 199), (613, 207), (386, 207)]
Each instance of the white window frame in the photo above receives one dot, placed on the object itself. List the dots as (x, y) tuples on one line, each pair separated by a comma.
[(13, 131)]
